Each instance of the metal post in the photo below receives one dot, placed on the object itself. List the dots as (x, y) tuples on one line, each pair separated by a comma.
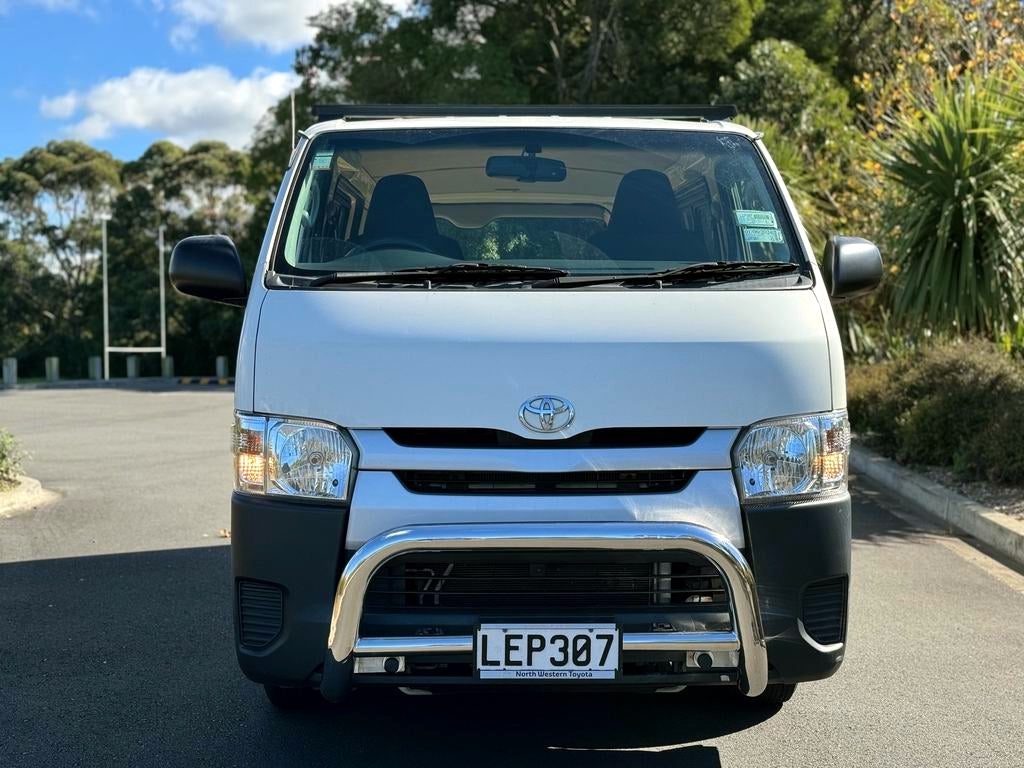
[(163, 299), (293, 119), (106, 305)]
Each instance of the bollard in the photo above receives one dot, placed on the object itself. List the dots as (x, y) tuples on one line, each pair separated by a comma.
[(10, 371), (167, 367), (95, 368), (53, 369), (222, 367), (132, 363)]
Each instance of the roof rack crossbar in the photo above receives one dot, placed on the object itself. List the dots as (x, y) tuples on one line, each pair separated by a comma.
[(388, 111)]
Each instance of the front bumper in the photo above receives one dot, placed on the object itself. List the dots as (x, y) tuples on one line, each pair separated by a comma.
[(299, 549), (747, 637)]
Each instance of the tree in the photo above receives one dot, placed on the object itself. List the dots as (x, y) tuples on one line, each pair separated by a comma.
[(810, 24), (188, 191), (778, 82), (526, 51), (50, 200)]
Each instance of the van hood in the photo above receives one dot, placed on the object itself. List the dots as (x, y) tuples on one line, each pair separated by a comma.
[(470, 358)]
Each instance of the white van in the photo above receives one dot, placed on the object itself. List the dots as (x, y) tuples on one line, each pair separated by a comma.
[(531, 398)]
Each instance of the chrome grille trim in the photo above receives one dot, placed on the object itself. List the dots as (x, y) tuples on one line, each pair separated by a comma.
[(710, 451)]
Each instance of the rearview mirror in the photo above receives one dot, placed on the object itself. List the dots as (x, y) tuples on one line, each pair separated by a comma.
[(208, 267), (526, 167), (852, 267)]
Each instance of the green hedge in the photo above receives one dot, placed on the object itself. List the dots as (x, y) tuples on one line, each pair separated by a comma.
[(958, 405), (10, 459)]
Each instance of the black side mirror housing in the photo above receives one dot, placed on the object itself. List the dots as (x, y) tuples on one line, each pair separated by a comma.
[(852, 267), (208, 267)]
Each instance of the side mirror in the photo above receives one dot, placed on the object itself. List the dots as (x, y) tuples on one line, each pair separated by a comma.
[(208, 267), (852, 267)]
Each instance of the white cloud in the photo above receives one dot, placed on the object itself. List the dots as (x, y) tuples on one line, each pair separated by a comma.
[(60, 107), (206, 103), (273, 24), (279, 25)]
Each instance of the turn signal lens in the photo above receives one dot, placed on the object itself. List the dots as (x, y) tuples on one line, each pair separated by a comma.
[(250, 471), (292, 457), (249, 438), (794, 457)]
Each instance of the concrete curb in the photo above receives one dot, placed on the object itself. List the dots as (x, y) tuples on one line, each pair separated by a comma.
[(1001, 532), (28, 495), (125, 383), (223, 381)]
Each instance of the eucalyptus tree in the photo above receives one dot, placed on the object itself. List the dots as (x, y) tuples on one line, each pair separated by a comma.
[(51, 199)]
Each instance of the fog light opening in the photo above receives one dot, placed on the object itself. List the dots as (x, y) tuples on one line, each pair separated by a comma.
[(376, 665)]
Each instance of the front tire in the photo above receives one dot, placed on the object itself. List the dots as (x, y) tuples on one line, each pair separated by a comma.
[(292, 698), (776, 694)]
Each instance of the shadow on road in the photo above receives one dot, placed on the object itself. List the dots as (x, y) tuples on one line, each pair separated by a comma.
[(129, 658), (871, 522)]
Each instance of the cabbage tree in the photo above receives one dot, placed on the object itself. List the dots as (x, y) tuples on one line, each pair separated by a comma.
[(957, 177)]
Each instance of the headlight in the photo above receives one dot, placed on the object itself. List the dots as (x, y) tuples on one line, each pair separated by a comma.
[(291, 457), (793, 457)]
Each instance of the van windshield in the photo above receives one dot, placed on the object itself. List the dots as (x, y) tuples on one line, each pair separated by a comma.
[(585, 201)]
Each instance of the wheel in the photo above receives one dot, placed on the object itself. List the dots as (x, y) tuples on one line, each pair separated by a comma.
[(292, 698), (776, 693)]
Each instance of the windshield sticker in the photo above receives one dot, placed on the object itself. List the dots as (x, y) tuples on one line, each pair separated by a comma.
[(762, 235), (756, 219), (322, 161)]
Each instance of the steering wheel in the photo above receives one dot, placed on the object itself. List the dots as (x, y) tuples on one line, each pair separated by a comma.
[(407, 243)]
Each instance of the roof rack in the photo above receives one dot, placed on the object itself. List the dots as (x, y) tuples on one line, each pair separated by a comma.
[(388, 111)]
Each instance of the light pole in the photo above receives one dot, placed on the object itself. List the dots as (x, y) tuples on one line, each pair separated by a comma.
[(163, 300), (104, 218)]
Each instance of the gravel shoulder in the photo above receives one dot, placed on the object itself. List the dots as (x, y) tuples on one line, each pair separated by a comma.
[(1008, 499)]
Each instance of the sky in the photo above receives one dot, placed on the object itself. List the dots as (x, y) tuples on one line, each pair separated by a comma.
[(120, 74)]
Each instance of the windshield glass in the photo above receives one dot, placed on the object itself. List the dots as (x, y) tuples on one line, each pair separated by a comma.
[(588, 201)]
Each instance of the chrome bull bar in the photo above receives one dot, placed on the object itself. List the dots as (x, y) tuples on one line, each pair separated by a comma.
[(746, 636)]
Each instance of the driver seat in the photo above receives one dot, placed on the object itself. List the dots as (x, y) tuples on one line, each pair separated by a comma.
[(400, 208), (646, 223)]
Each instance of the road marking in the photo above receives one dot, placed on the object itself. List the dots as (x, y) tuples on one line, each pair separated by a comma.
[(951, 540), (992, 567)]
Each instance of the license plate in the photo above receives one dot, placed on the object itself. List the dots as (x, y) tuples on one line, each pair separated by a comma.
[(547, 651)]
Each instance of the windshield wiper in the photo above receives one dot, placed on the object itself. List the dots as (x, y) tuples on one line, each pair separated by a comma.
[(705, 272), (471, 272)]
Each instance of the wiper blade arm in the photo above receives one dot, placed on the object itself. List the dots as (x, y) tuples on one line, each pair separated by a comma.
[(706, 272), (715, 269), (458, 272)]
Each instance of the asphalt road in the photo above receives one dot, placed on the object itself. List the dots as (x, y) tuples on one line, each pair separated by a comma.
[(116, 638)]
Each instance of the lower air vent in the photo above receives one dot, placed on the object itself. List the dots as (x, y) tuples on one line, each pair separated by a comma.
[(260, 613), (824, 611), (543, 483)]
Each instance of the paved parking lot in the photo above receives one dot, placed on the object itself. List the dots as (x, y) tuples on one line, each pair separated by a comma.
[(116, 638)]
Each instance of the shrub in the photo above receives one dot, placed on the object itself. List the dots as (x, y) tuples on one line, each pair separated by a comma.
[(872, 405), (10, 459), (956, 171), (959, 405)]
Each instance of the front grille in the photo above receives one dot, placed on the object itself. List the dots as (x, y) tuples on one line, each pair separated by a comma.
[(611, 437), (824, 611), (498, 581), (260, 613), (543, 483)]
